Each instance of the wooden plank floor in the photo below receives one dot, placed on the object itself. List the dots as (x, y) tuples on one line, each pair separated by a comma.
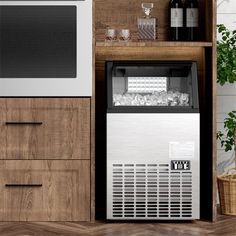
[(225, 225)]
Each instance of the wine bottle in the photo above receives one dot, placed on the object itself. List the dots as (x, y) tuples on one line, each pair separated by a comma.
[(176, 20), (191, 19)]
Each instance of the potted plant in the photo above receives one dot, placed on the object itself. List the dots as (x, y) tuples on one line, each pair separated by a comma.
[(226, 69), (227, 182)]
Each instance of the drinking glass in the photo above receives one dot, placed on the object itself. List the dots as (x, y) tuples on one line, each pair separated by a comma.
[(111, 35), (124, 35)]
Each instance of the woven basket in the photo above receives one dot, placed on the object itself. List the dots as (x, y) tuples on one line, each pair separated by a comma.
[(227, 193)]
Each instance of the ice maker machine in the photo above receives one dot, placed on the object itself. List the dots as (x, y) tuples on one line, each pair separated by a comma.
[(152, 140)]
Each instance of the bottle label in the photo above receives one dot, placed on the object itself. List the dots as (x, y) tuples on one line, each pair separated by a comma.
[(176, 17), (192, 17)]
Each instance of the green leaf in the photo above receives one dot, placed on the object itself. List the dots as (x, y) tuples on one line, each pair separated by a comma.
[(230, 133), (224, 38)]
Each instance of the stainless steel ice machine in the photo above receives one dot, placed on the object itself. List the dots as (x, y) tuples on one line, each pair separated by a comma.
[(153, 137)]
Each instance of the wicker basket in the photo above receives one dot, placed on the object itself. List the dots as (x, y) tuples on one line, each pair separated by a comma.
[(227, 193)]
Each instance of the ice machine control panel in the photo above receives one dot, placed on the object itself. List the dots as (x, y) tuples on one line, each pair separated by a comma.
[(180, 165)]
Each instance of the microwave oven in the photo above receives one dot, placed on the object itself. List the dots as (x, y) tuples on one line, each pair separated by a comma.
[(46, 48)]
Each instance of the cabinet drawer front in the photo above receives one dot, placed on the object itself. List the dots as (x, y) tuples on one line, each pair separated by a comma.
[(45, 128), (34, 190)]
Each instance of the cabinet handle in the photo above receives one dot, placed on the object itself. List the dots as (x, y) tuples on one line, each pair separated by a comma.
[(23, 123), (23, 185)]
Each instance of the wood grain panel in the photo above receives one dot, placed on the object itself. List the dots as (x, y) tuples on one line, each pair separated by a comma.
[(225, 225), (210, 19), (64, 133), (92, 130), (63, 196), (146, 53), (152, 44), (124, 14)]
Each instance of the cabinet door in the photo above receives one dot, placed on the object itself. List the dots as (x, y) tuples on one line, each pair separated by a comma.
[(45, 128), (33, 190)]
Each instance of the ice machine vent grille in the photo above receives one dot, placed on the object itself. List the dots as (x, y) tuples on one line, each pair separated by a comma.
[(142, 191)]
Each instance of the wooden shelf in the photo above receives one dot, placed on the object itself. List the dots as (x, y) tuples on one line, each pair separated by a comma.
[(153, 44)]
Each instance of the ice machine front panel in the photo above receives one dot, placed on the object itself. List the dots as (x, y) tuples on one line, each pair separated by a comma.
[(153, 166)]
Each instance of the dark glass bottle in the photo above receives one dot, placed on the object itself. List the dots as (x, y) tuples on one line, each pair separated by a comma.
[(176, 20), (191, 12)]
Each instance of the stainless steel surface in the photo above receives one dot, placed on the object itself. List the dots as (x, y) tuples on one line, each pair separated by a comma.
[(135, 142), (79, 86)]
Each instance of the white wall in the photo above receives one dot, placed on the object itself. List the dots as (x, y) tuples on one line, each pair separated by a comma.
[(226, 95)]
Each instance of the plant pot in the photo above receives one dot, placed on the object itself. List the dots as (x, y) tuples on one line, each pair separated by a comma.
[(227, 193)]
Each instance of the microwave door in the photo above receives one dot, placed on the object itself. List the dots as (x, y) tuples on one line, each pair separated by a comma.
[(45, 48), (38, 42)]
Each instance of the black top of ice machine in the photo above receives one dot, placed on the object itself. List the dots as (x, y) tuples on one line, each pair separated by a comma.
[(152, 86)]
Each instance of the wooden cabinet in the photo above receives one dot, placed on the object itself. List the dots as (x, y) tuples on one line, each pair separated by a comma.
[(45, 166), (43, 190), (45, 128), (202, 51), (47, 158)]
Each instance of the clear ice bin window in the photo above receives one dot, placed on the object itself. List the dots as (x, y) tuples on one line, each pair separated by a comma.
[(159, 84)]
